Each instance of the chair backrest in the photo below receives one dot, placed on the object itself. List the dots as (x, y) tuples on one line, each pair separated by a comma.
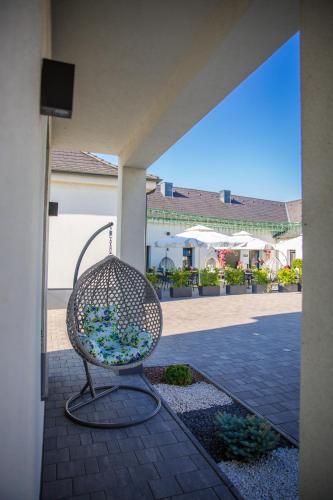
[(114, 282)]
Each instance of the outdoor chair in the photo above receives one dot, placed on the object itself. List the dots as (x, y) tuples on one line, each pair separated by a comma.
[(114, 321)]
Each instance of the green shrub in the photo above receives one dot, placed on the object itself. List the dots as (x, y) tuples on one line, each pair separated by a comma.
[(153, 279), (297, 264), (209, 277), (178, 375), (287, 276), (180, 278), (260, 276), (234, 276), (245, 438)]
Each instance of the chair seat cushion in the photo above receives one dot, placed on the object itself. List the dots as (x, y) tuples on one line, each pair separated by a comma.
[(104, 341)]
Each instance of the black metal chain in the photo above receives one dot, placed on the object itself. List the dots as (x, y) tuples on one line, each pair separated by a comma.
[(110, 240)]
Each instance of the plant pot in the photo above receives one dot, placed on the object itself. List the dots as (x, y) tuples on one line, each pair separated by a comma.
[(178, 292), (299, 287), (235, 289), (209, 291), (288, 288), (259, 288)]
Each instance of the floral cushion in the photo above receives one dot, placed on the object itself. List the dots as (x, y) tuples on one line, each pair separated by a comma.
[(100, 319), (104, 342)]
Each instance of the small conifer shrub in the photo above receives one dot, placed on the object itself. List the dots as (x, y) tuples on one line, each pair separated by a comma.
[(245, 438)]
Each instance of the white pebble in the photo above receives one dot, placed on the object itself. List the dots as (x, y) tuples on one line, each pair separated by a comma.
[(274, 477), (192, 397)]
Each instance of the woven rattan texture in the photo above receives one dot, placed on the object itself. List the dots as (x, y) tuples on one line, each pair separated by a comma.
[(112, 281)]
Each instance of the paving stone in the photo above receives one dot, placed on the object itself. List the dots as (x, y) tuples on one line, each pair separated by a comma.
[(223, 492), (120, 459), (204, 478), (159, 439), (149, 455), (87, 451), (67, 441), (92, 483), (50, 443), (282, 417), (54, 490), (143, 472), (98, 495), (206, 494), (129, 444), (70, 469), (174, 466), (162, 488), (91, 466), (49, 472), (177, 449), (55, 456)]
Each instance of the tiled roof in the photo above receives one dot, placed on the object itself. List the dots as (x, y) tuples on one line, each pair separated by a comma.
[(294, 209), (208, 203), (81, 162)]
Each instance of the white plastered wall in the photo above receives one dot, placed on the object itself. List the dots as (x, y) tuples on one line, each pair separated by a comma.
[(23, 42)]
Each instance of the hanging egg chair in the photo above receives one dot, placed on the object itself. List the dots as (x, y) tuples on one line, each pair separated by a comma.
[(114, 321)]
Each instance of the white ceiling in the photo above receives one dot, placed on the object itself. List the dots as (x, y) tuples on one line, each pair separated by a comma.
[(148, 70)]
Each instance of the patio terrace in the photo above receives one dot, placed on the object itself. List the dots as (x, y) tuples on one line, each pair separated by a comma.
[(249, 344)]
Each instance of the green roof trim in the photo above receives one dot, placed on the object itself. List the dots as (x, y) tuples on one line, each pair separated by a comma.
[(159, 216)]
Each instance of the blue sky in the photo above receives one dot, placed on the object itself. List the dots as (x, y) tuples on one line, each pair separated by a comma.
[(249, 143)]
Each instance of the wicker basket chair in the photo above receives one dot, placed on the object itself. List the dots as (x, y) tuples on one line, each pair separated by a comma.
[(114, 321)]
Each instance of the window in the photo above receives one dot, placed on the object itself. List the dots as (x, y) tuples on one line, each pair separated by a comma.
[(187, 257)]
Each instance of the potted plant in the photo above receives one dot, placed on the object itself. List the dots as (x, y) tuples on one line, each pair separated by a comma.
[(209, 282), (287, 278), (297, 265), (235, 280), (180, 279), (260, 280), (155, 281)]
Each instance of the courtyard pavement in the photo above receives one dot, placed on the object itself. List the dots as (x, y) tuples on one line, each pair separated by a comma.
[(248, 344)]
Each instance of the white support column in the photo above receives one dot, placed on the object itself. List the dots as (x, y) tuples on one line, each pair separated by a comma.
[(317, 336), (131, 216)]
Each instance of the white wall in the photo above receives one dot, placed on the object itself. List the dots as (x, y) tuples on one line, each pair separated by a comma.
[(284, 247), (84, 194), (23, 43), (68, 234)]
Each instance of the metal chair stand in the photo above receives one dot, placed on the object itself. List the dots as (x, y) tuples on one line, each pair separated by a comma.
[(95, 395)]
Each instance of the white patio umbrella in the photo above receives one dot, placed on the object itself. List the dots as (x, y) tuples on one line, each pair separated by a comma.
[(205, 235), (246, 241), (178, 241), (196, 236)]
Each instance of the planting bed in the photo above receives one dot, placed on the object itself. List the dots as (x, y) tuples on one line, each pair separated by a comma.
[(274, 476)]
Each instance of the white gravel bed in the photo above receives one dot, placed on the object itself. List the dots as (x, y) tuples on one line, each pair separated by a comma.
[(192, 397), (274, 477)]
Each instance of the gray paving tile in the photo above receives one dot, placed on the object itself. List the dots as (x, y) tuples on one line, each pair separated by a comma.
[(162, 488), (200, 479), (55, 490), (174, 466), (70, 469)]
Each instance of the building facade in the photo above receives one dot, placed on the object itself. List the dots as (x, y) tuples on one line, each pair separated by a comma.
[(84, 187)]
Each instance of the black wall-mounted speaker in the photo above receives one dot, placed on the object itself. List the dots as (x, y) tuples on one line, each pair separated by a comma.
[(53, 208), (57, 88)]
